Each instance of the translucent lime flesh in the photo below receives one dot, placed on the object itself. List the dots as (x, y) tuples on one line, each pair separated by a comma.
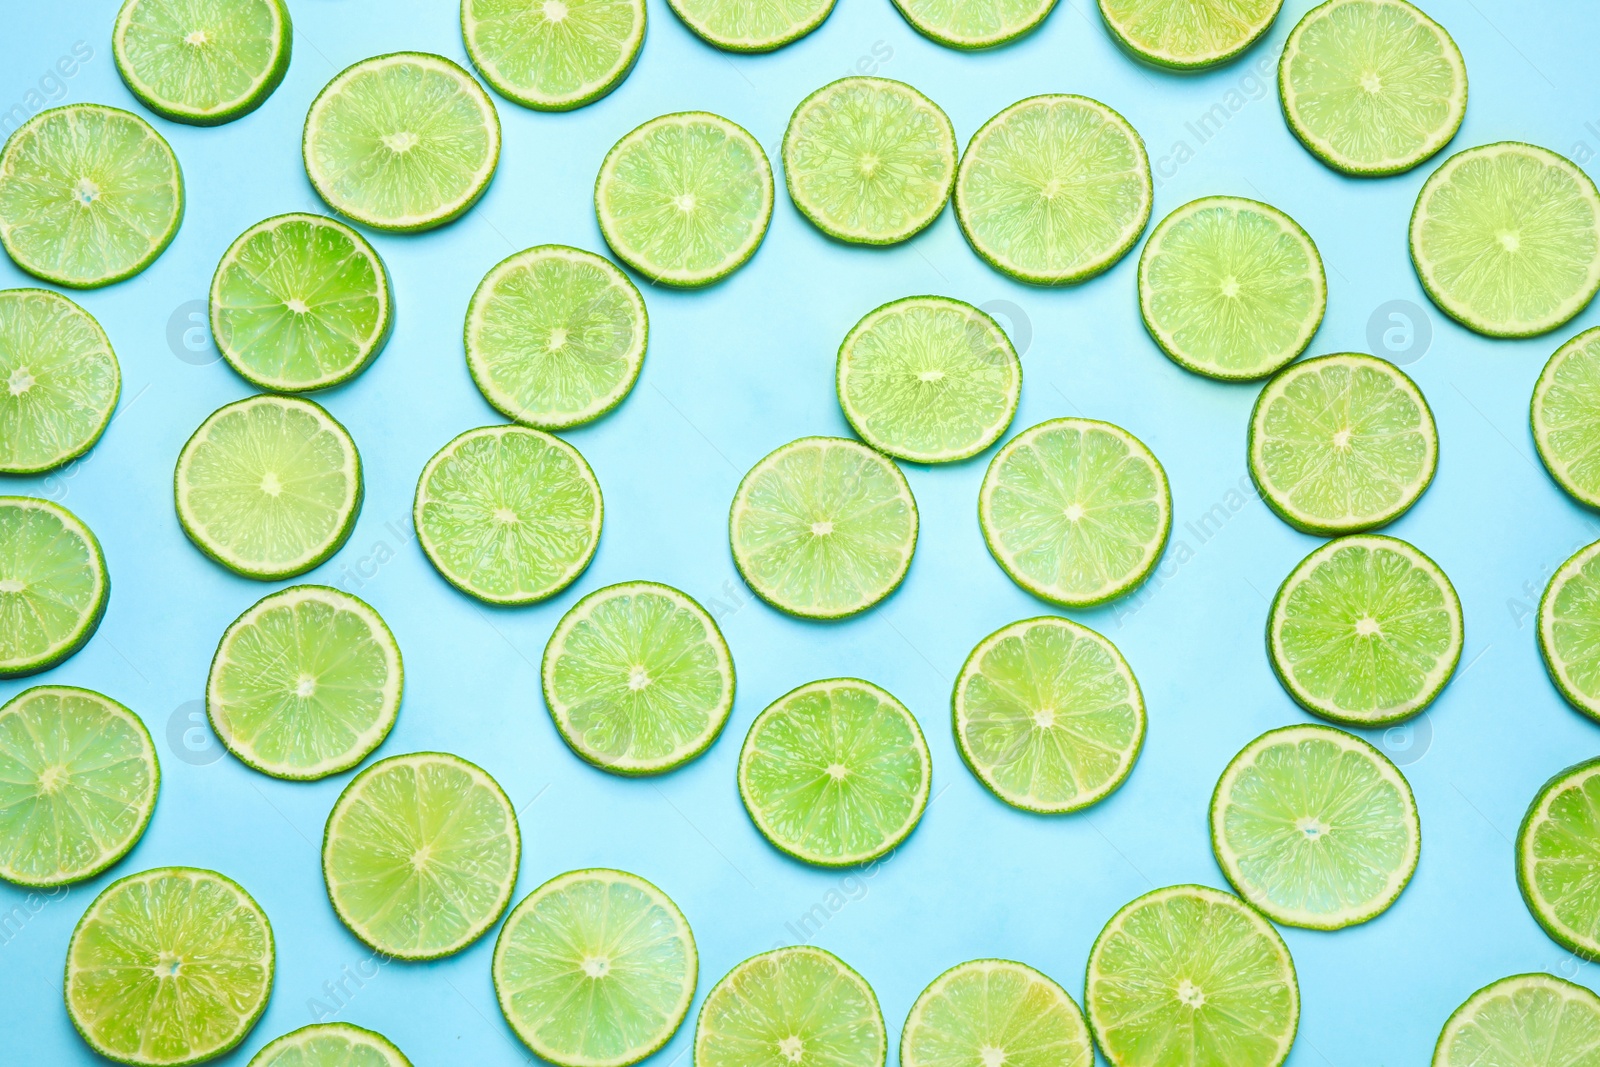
[(59, 380), (330, 1045), (974, 23), (53, 585), (1527, 1020), (995, 1012), (202, 61), (791, 1005), (553, 56), (1566, 417), (1558, 859), (1569, 629), (1180, 33), (752, 25)]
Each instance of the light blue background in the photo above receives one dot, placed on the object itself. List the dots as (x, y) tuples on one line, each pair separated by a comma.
[(733, 372)]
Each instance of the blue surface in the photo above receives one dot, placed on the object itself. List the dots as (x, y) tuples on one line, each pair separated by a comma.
[(733, 372)]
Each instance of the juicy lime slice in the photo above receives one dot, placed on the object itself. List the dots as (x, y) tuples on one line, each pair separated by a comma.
[(1506, 239), (869, 160), (1558, 858), (1231, 288), (1566, 417), (78, 782), (928, 379), (553, 56), (823, 527), (1342, 443), (638, 678), (835, 772), (1526, 1020), (507, 514), (1048, 715), (171, 966), (59, 381), (751, 25), (1372, 87), (595, 968), (1569, 629), (300, 302), (1365, 631), (402, 142), (797, 1005), (420, 855), (1054, 189), (269, 486), (1185, 35), (555, 336), (53, 585), (969, 24), (330, 1045), (685, 199), (1315, 827), (204, 62), (995, 1012), (89, 195), (1075, 511)]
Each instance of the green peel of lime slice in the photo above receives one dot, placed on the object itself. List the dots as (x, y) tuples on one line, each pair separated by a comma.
[(59, 381), (973, 24), (1184, 35), (1569, 629), (751, 25), (204, 62), (791, 1005), (1537, 1020), (53, 585), (1558, 859), (1566, 417), (330, 1045), (595, 968), (89, 195), (553, 56), (995, 1011)]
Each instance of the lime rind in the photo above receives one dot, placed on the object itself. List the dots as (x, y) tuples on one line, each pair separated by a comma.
[(725, 24), (78, 346), (861, 1041), (252, 95), (1573, 672), (12, 608), (494, 30), (1247, 23), (1531, 1033), (359, 1043), (1565, 417), (988, 23), (1034, 1012), (1578, 784)]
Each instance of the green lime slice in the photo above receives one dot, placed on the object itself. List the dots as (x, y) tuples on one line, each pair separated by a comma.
[(797, 1005), (1526, 1020), (1054, 189), (928, 379), (1365, 631), (1558, 858), (402, 142), (1183, 35), (1048, 715), (1342, 443), (869, 160), (269, 486), (78, 782), (1075, 511), (300, 302), (595, 968), (508, 514), (823, 527), (1569, 629), (1506, 239), (751, 25), (170, 966), (1189, 976), (330, 1045), (995, 1012), (53, 585), (89, 195), (971, 24), (1231, 288), (835, 773), (1566, 417), (553, 55), (685, 199), (204, 62), (1372, 87), (638, 678), (420, 855), (555, 336), (59, 381)]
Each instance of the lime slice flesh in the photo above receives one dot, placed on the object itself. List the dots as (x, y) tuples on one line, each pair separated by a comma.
[(1187, 36), (1558, 859), (330, 1045), (791, 1005), (751, 25), (1526, 1020), (1569, 629), (59, 381), (553, 57), (204, 62), (995, 1012), (1566, 417), (53, 585), (972, 24)]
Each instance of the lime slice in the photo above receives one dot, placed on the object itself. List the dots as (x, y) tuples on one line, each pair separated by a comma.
[(995, 1012), (1054, 189), (402, 142), (420, 855), (685, 199), (869, 160), (798, 1005), (928, 379), (1566, 417), (1569, 629), (553, 56), (835, 772), (1048, 715), (61, 381), (300, 302), (969, 24), (595, 969), (330, 1045), (1342, 443), (1372, 87), (89, 195), (751, 25), (1231, 288), (1189, 976), (269, 486), (1184, 35), (1366, 631), (823, 527), (1506, 239), (555, 336), (78, 782), (171, 966), (1558, 858), (53, 585), (507, 514), (1527, 1020), (638, 678), (1075, 511), (204, 62)]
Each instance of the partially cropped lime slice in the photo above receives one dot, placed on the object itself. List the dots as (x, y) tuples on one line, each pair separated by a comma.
[(823, 527), (203, 62), (420, 855), (752, 25), (53, 585), (59, 381), (171, 966), (89, 195), (553, 56), (1566, 417), (1526, 1020), (1184, 35), (330, 1045), (1558, 858), (995, 1012), (1569, 629), (595, 968), (970, 24), (798, 1005)]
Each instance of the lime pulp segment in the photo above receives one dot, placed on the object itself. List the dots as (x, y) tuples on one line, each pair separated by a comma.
[(204, 62), (1569, 629), (59, 381), (1558, 859), (1534, 1019), (973, 24), (995, 1012), (53, 585), (553, 56), (752, 25), (1185, 35), (1565, 414), (805, 1003), (330, 1045)]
